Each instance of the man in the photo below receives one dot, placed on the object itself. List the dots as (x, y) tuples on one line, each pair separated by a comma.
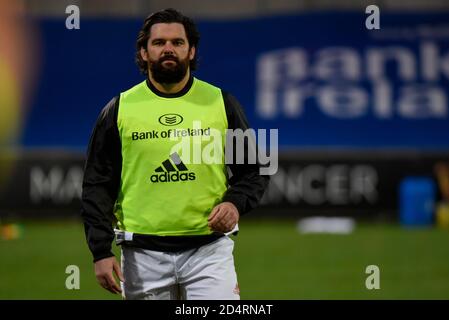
[(174, 216)]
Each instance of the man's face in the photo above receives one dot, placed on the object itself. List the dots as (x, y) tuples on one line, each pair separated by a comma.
[(167, 53)]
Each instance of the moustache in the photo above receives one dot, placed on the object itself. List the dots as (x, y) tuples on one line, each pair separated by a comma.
[(168, 58)]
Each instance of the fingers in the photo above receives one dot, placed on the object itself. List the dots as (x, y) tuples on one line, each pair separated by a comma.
[(220, 221), (213, 214), (223, 221), (112, 284), (104, 270), (104, 283), (108, 282), (217, 216), (118, 271)]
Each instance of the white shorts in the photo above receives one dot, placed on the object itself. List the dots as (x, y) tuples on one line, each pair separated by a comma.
[(205, 273)]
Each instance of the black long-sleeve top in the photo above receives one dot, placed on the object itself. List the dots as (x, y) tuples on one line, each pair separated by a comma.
[(102, 176)]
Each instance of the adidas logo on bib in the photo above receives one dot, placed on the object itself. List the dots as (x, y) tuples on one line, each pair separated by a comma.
[(172, 170)]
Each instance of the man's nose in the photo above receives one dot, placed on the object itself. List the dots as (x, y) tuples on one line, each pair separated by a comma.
[(168, 47)]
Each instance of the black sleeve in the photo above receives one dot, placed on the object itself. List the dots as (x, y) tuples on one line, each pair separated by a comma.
[(101, 182), (246, 185)]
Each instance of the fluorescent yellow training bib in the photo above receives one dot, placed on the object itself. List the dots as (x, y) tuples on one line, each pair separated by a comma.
[(166, 188)]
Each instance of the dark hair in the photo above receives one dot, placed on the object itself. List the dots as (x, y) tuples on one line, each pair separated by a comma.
[(167, 16)]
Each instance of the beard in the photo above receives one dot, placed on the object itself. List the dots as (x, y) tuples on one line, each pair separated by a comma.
[(171, 74)]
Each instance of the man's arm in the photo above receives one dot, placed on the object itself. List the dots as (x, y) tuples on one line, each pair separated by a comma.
[(101, 185), (101, 182), (247, 186)]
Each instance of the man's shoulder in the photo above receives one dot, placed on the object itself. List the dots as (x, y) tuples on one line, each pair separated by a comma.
[(206, 84), (134, 91), (226, 94)]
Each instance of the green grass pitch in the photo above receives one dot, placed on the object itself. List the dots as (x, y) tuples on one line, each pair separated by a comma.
[(273, 261)]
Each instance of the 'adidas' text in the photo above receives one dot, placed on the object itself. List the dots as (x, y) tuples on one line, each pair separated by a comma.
[(172, 177)]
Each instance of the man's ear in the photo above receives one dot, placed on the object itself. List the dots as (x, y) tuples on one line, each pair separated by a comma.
[(144, 54), (192, 53)]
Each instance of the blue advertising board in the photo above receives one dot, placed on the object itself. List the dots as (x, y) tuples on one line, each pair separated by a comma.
[(322, 79)]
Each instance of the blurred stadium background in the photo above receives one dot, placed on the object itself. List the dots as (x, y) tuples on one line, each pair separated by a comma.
[(363, 125)]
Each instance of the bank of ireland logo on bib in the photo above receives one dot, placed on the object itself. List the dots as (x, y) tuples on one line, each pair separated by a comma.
[(170, 119), (172, 170)]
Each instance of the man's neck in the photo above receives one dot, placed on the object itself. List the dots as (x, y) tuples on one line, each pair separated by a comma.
[(170, 88)]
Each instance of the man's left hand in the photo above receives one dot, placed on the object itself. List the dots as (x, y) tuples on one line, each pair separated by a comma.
[(223, 217)]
